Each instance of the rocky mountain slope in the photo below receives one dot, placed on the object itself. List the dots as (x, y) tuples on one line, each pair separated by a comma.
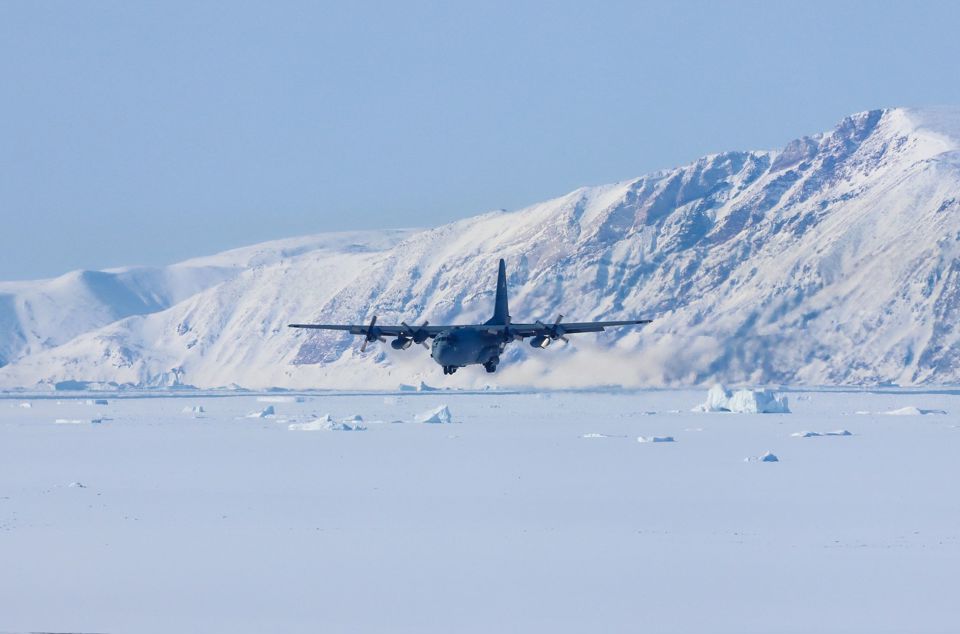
[(835, 260)]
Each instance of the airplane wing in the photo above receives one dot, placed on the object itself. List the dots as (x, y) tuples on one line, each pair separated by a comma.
[(373, 332), (425, 331), (570, 328), (383, 331)]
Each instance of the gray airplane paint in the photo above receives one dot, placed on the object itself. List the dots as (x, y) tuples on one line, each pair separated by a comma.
[(454, 347)]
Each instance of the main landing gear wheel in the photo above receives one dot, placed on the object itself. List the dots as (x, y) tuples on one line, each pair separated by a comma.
[(491, 365)]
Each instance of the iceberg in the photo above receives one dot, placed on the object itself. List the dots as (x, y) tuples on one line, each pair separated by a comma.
[(655, 439), (440, 414), (326, 423), (420, 387), (816, 434), (720, 399)]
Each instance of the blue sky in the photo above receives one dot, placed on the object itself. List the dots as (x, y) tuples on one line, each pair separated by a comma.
[(145, 133)]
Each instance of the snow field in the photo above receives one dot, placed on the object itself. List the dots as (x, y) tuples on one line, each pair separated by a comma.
[(158, 522)]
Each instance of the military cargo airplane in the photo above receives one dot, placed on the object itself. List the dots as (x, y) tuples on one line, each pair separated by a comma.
[(475, 344)]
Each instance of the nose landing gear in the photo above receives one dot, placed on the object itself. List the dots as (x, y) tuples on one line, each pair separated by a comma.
[(449, 369)]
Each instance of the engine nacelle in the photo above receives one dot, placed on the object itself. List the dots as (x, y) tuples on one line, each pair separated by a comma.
[(401, 343), (540, 341)]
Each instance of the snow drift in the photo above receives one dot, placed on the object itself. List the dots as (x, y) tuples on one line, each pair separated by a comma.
[(911, 410)]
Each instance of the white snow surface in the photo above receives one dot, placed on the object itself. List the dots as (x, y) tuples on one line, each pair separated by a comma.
[(515, 523), (280, 399), (834, 260)]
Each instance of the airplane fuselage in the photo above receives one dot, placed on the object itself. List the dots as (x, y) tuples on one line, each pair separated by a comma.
[(458, 347)]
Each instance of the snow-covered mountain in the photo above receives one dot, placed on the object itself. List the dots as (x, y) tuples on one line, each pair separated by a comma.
[(40, 315), (835, 260)]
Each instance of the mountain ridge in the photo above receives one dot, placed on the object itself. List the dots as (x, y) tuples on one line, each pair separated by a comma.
[(831, 261)]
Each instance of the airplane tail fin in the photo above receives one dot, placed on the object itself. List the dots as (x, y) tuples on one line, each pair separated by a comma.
[(501, 313)]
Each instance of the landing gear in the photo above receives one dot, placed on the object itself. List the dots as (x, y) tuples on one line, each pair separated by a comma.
[(491, 365), (449, 369)]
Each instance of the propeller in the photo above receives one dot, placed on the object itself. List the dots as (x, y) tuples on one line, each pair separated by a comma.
[(372, 334), (558, 331), (555, 331), (418, 335)]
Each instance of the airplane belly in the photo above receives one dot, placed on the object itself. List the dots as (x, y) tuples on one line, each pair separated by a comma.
[(468, 348), (450, 355), (459, 355)]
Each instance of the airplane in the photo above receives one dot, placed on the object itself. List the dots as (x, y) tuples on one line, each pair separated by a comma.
[(475, 344)]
